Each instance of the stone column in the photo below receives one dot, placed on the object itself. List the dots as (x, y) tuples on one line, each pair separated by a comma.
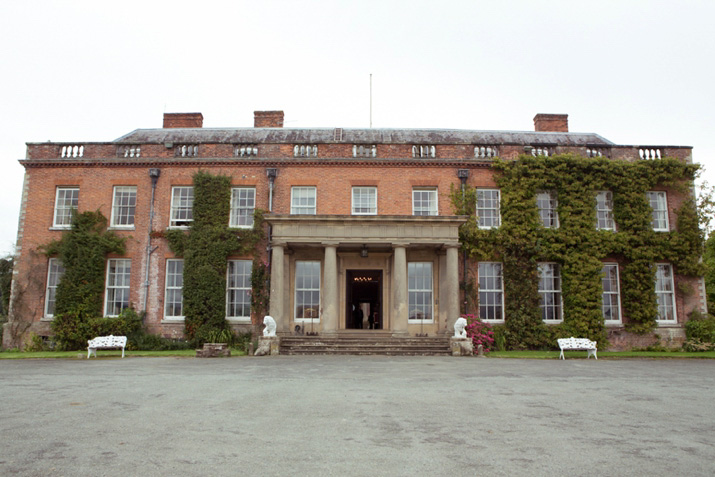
[(331, 305), (277, 288), (451, 288), (398, 320)]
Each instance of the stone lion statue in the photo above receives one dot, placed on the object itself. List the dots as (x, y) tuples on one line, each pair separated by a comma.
[(270, 329), (459, 325)]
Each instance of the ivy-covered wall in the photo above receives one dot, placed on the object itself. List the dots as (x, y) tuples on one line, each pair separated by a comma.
[(206, 247), (521, 241)]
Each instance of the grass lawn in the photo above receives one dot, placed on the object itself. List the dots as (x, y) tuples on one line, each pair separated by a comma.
[(602, 354), (182, 353), (190, 353)]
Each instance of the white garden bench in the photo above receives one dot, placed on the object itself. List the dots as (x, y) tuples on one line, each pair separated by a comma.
[(106, 342), (577, 344)]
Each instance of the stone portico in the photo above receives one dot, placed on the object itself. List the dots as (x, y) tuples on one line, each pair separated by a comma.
[(374, 249)]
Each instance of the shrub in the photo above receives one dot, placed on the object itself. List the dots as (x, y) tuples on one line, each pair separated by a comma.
[(700, 328), (480, 333)]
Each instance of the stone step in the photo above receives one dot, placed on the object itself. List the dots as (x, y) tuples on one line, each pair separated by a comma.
[(376, 345)]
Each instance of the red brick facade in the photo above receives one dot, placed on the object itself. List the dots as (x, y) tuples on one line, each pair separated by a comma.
[(96, 168)]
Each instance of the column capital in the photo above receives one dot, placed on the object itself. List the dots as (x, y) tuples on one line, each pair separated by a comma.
[(330, 244), (279, 243)]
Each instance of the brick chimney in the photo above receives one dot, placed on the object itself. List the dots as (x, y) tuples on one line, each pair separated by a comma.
[(551, 123), (268, 119), (183, 120)]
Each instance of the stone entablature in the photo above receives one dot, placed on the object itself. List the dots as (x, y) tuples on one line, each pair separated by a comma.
[(439, 231)]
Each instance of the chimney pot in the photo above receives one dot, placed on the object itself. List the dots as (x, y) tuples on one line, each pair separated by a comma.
[(551, 123)]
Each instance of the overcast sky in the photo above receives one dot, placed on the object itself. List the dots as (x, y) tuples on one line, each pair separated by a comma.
[(635, 72)]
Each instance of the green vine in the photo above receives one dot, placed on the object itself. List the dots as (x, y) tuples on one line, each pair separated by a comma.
[(521, 241), (206, 248), (83, 251)]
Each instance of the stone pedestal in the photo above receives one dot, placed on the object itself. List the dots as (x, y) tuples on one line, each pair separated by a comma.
[(268, 345), (461, 346), (213, 350)]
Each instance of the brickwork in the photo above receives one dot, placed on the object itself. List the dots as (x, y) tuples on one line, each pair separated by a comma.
[(334, 172)]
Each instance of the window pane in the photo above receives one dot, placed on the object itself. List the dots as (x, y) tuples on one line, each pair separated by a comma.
[(243, 204), (238, 289), (117, 291), (488, 208), (364, 201), (420, 291), (66, 201), (547, 205), (307, 290), (173, 296), (182, 203), (550, 291), (303, 200), (490, 291), (610, 298), (124, 206)]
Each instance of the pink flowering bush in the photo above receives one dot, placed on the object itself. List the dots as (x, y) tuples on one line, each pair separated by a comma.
[(480, 333)]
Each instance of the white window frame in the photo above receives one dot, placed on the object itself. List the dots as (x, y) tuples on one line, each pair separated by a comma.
[(62, 217), (243, 205), (547, 204), (117, 286), (611, 294), (238, 285), (174, 288), (182, 206), (488, 212), (658, 201), (307, 285), (55, 270), (665, 294), (303, 200), (124, 204), (420, 284), (551, 291), (604, 211), (429, 196), (491, 291), (364, 197)]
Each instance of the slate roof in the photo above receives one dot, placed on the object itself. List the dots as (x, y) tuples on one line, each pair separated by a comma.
[(357, 136)]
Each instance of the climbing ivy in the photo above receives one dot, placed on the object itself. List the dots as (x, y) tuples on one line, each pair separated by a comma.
[(83, 251), (521, 241), (206, 248)]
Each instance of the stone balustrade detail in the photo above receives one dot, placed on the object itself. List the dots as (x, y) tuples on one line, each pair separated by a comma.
[(649, 153), (68, 151)]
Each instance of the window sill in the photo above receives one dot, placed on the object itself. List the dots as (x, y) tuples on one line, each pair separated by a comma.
[(116, 227), (246, 320), (63, 227), (553, 322), (667, 324), (172, 320), (306, 320)]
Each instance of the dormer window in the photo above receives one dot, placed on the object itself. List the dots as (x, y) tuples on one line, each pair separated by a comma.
[(424, 151)]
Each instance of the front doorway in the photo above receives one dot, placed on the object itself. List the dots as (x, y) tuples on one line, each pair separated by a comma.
[(364, 300)]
